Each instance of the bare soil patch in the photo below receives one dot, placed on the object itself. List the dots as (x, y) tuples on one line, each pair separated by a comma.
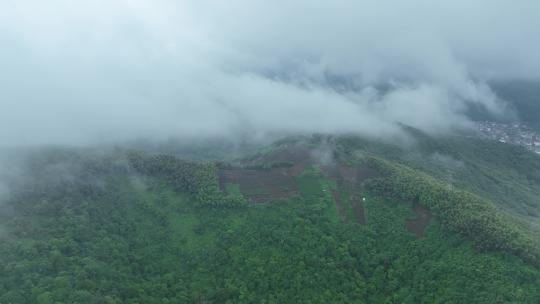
[(358, 209), (350, 176), (419, 224), (260, 186), (339, 205), (364, 172)]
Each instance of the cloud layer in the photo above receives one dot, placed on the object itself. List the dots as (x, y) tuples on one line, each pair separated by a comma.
[(83, 71)]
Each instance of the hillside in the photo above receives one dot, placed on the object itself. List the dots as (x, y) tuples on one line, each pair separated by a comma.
[(507, 175), (306, 220)]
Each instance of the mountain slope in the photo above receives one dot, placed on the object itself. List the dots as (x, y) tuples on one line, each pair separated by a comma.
[(301, 221)]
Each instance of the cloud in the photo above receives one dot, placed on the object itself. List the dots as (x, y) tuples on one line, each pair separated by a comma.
[(7, 173), (113, 70), (4, 193)]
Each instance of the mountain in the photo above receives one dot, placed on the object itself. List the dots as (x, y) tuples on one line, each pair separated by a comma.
[(317, 219), (522, 99)]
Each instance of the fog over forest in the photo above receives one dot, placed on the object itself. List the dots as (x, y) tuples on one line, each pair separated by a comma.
[(80, 72)]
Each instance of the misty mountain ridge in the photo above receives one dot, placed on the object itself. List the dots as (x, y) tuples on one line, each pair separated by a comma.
[(121, 225)]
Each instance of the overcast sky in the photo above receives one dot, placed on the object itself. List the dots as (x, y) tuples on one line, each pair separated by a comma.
[(82, 71)]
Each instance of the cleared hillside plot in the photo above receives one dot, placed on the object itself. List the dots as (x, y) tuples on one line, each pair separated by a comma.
[(258, 185), (419, 224), (340, 207), (350, 180), (358, 209), (351, 176), (281, 174)]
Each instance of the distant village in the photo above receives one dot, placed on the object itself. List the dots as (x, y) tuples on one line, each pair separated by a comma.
[(511, 133)]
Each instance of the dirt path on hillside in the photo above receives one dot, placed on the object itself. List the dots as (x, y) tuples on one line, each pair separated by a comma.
[(358, 209), (339, 206)]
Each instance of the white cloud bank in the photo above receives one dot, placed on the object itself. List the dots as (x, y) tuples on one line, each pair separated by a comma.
[(104, 70)]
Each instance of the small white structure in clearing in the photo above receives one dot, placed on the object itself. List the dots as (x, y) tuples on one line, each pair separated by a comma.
[(363, 199)]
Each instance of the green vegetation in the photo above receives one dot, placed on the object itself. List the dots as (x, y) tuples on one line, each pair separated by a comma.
[(154, 246), (316, 189), (196, 178), (105, 228), (459, 211), (508, 176), (233, 188)]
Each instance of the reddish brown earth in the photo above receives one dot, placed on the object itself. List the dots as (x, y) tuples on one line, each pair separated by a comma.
[(341, 210), (261, 186), (364, 172), (297, 169), (350, 176), (419, 224), (358, 209), (332, 172)]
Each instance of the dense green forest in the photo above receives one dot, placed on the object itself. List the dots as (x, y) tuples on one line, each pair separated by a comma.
[(115, 226), (458, 211), (507, 175)]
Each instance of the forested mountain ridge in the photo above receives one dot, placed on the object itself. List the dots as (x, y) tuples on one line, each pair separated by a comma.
[(309, 220), (507, 175)]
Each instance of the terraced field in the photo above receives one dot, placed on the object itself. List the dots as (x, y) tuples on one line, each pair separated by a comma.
[(276, 176), (259, 185)]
